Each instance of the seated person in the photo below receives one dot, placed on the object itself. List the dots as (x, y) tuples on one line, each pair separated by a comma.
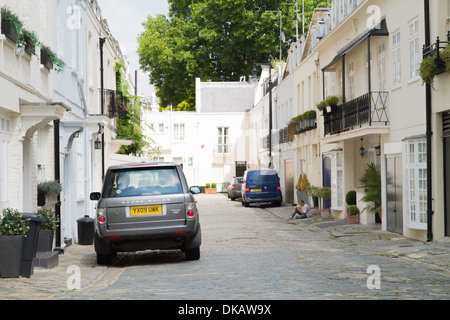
[(303, 210)]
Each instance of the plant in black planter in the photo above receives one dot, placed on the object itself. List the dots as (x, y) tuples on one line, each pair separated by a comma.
[(48, 188), (430, 66), (13, 229), (50, 60), (371, 182), (332, 101), (47, 229), (11, 25), (31, 41)]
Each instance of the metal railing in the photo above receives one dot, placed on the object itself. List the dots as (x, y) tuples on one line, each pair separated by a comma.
[(366, 110), (115, 103)]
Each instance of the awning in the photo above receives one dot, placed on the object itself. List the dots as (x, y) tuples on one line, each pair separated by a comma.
[(377, 31)]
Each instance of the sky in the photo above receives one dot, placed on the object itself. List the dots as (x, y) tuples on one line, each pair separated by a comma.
[(125, 18)]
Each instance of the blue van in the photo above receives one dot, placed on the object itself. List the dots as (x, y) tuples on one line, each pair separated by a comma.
[(261, 186)]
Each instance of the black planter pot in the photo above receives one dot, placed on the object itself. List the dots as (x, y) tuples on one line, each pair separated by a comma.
[(45, 60), (45, 240), (9, 30), (10, 256), (30, 244)]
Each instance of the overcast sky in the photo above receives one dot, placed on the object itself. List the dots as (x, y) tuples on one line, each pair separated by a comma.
[(125, 19)]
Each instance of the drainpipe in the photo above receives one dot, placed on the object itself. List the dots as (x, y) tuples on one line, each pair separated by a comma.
[(102, 99), (57, 178), (429, 132)]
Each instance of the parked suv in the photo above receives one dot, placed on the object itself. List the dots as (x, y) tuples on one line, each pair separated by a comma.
[(146, 206), (261, 186)]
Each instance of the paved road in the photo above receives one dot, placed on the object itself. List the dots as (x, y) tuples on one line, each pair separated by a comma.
[(247, 253)]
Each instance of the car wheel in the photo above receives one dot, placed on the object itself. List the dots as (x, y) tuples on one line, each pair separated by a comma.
[(192, 254)]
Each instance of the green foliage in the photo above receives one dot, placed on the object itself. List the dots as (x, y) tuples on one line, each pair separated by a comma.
[(350, 197), (213, 185), (332, 101), (13, 223), (207, 185), (353, 210), (49, 188), (429, 66), (211, 39), (49, 220), (322, 105), (371, 181)]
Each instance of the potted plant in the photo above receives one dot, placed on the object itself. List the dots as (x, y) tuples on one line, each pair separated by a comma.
[(322, 105), (313, 192), (430, 66), (47, 189), (210, 188), (11, 25), (13, 228), (50, 60), (371, 182), (332, 101), (352, 214), (31, 41), (47, 229), (301, 187), (324, 193), (309, 117)]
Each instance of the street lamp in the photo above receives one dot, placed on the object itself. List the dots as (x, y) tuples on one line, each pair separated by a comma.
[(270, 105)]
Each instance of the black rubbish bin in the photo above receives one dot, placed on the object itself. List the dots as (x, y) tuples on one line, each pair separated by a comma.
[(85, 230), (30, 244)]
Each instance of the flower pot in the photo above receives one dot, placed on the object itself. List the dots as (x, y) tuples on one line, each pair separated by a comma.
[(210, 190), (10, 256), (352, 219), (46, 61), (9, 30), (45, 240), (325, 212)]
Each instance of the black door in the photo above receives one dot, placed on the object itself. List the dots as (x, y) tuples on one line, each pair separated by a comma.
[(446, 133), (241, 166), (326, 178), (394, 193)]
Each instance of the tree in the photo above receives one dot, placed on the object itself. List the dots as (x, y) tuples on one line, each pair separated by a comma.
[(211, 39)]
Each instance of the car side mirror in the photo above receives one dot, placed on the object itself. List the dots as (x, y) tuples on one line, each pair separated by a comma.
[(195, 190), (95, 196)]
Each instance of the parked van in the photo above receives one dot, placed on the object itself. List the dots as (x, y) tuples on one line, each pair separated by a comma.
[(261, 186)]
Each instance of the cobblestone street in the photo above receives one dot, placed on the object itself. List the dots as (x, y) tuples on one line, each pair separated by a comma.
[(254, 253)]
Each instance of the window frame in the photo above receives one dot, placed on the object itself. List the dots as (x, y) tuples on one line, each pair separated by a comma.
[(414, 49), (396, 59)]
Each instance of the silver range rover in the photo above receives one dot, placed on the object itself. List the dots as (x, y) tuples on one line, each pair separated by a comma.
[(146, 206)]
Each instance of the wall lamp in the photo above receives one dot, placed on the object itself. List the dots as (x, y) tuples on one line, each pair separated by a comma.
[(362, 152)]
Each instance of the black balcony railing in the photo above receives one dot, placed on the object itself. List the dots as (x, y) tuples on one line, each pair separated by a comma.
[(366, 110), (115, 103)]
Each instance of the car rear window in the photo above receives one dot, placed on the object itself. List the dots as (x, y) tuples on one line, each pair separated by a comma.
[(262, 177), (141, 182)]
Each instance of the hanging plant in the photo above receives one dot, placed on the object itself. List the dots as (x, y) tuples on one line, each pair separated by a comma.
[(50, 60), (430, 67)]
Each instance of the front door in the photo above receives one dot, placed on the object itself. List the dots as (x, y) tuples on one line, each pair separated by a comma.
[(394, 193), (326, 178), (447, 184), (289, 180)]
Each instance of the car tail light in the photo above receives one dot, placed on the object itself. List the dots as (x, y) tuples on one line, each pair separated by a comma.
[(101, 212), (247, 189), (235, 186), (190, 207), (278, 188)]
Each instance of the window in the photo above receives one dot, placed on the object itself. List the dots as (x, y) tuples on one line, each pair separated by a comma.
[(178, 132), (222, 143), (80, 167), (416, 183), (337, 180), (414, 49), (381, 67), (5, 161), (396, 64), (161, 127), (351, 81)]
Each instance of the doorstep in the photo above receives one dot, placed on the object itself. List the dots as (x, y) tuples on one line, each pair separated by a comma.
[(46, 259)]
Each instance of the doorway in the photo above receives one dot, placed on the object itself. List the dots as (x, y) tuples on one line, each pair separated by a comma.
[(289, 180), (326, 178), (394, 193)]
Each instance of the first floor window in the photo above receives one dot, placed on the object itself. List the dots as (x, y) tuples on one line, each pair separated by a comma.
[(337, 180), (416, 183), (222, 145), (178, 132)]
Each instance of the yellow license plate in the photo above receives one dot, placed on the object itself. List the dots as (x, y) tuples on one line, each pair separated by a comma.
[(145, 210), (255, 190)]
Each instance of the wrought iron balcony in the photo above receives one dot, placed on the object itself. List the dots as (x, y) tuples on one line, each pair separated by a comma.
[(366, 110), (115, 103)]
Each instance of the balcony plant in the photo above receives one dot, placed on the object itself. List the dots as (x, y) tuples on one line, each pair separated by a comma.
[(31, 41), (430, 66), (13, 229), (47, 189), (309, 117), (11, 25), (352, 214), (332, 101), (47, 229), (50, 60), (322, 105)]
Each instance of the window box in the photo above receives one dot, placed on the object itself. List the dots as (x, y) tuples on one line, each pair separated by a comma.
[(10, 31)]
